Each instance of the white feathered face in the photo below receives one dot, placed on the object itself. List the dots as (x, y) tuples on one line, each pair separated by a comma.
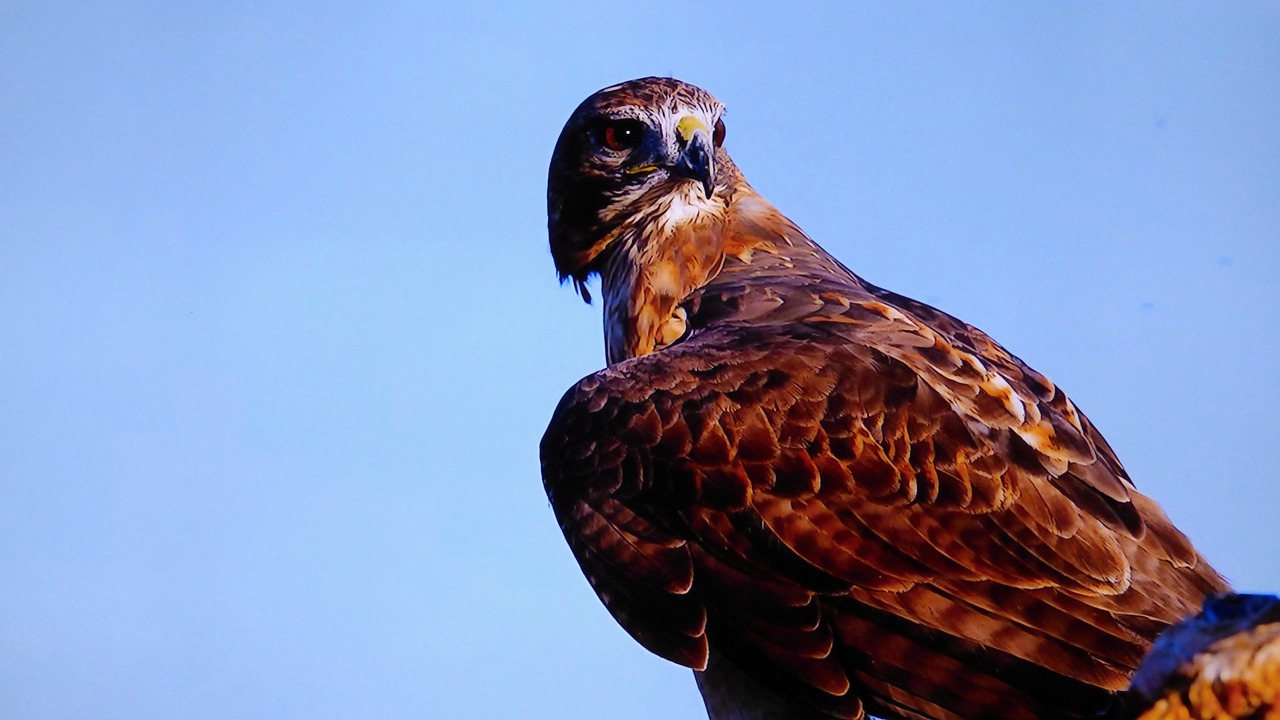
[(648, 143)]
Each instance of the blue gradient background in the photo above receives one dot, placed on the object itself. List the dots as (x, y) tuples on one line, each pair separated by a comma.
[(279, 331)]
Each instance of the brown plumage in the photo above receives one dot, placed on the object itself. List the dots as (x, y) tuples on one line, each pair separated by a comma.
[(1222, 664), (827, 499)]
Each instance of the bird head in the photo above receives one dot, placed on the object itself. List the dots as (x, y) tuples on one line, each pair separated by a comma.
[(646, 146)]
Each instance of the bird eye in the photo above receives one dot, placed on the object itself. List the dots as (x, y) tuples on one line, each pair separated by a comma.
[(619, 135), (717, 135)]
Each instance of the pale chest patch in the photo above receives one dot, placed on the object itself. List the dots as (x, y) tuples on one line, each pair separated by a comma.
[(686, 206)]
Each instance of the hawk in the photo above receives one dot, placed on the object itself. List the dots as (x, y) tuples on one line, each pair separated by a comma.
[(1223, 663), (826, 499)]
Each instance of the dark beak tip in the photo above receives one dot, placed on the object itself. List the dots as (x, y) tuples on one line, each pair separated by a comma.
[(696, 164)]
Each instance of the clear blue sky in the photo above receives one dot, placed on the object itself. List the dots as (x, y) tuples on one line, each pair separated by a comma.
[(279, 331)]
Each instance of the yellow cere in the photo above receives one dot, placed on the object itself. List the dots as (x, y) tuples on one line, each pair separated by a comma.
[(687, 126)]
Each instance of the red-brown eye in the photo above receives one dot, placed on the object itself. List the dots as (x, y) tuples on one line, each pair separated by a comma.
[(619, 135), (717, 135)]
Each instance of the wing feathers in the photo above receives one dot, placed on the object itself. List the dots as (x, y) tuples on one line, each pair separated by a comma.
[(785, 496), (644, 584)]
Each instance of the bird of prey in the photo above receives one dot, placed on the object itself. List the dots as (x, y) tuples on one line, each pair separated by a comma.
[(1223, 663), (826, 499)]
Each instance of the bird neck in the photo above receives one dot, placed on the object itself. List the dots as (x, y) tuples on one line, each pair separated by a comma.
[(763, 244), (657, 260), (660, 258)]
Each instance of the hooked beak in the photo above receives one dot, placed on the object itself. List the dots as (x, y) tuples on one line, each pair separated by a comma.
[(696, 160)]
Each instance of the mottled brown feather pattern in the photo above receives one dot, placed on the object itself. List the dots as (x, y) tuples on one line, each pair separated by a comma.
[(853, 500)]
